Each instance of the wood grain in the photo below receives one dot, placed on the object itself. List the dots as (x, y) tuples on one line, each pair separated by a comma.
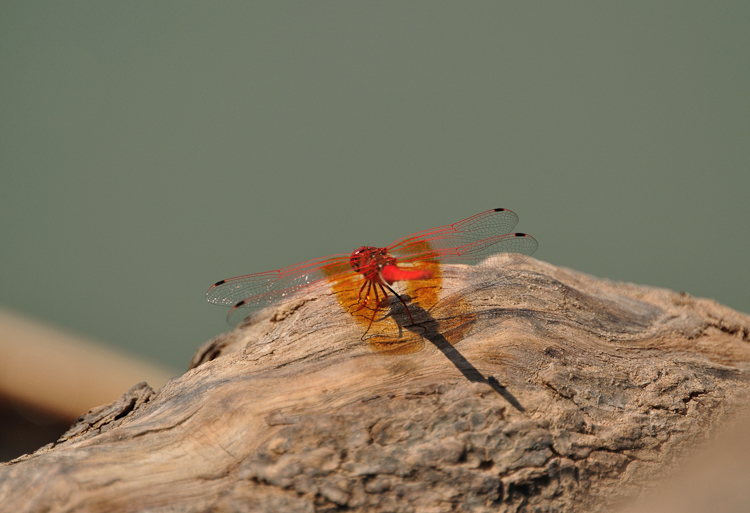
[(538, 390)]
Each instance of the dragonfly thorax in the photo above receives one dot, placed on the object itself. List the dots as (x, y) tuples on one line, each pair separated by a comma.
[(369, 261)]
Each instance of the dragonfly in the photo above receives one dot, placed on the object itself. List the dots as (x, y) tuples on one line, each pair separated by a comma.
[(365, 279)]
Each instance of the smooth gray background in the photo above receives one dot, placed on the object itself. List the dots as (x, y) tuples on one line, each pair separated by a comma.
[(149, 149)]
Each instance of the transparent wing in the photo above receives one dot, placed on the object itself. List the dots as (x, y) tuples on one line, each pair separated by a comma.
[(507, 250), (262, 289), (489, 224)]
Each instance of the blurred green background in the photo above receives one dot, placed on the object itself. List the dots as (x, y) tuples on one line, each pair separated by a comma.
[(149, 149)]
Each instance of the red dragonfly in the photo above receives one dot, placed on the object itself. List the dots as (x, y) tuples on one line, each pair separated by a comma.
[(417, 258)]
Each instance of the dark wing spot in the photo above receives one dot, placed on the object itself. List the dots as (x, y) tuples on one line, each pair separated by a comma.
[(240, 304), (219, 283), (499, 209), (520, 235)]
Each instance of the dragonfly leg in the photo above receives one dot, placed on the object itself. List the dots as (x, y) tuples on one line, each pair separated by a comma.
[(400, 299), (374, 313), (367, 292), (365, 284), (361, 304), (372, 286)]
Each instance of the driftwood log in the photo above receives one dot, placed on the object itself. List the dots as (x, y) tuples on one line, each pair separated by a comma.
[(540, 389)]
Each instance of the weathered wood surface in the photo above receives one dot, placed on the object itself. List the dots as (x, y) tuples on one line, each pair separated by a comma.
[(560, 392)]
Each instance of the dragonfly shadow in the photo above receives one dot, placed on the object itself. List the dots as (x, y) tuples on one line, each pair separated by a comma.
[(428, 328)]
